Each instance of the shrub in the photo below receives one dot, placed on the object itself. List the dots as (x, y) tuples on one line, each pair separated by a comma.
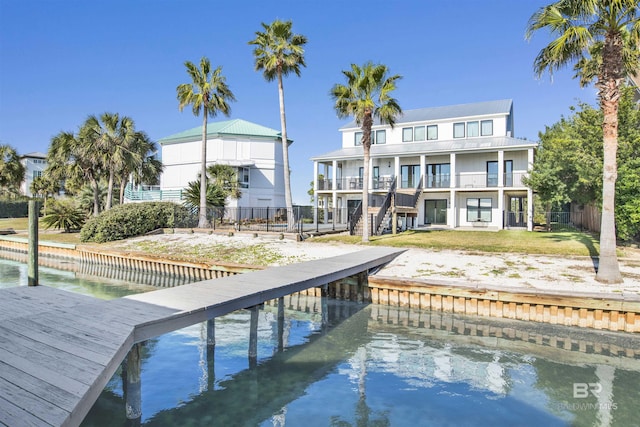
[(135, 219), (14, 208), (64, 213)]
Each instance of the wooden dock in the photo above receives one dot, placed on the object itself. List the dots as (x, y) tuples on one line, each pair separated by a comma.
[(58, 350)]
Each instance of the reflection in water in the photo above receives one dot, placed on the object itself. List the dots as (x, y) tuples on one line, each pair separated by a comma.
[(383, 366), (354, 365)]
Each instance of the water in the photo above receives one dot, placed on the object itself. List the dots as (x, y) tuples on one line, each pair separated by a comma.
[(373, 366)]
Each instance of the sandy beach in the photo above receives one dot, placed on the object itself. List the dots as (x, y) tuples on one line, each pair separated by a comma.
[(570, 274)]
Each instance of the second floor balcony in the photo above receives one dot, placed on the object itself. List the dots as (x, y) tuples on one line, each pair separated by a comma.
[(461, 181)]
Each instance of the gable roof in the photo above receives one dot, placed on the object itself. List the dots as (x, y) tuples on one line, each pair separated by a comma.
[(34, 155), (237, 127), (502, 106)]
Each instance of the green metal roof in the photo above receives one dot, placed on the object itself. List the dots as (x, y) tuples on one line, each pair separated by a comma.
[(237, 127)]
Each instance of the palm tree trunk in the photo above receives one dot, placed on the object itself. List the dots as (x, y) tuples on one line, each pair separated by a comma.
[(96, 197), (608, 268), (123, 184), (285, 156), (366, 146), (109, 192), (202, 221)]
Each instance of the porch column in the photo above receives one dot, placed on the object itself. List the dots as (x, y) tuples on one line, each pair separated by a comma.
[(315, 192), (396, 170), (452, 166), (529, 209), (326, 209), (423, 168), (500, 169), (501, 207), (529, 192), (334, 180), (452, 214)]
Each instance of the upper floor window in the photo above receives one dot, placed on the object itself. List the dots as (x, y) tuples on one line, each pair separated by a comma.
[(377, 137), (432, 132), (486, 127), (37, 174), (458, 130), (418, 133), (472, 129), (407, 134), (243, 177)]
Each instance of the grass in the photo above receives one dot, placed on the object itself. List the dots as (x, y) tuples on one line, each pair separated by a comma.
[(504, 241), (21, 226)]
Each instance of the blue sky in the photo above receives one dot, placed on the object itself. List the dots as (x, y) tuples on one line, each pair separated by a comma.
[(61, 61)]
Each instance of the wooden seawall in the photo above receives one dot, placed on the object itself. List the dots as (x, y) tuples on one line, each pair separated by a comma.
[(58, 349)]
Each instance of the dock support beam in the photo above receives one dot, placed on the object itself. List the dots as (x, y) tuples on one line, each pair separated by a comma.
[(253, 337), (133, 390), (32, 266), (211, 353), (280, 324)]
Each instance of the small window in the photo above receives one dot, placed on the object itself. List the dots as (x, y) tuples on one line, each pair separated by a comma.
[(418, 133), (37, 174), (432, 132), (486, 127), (381, 136), (407, 134), (458, 130), (358, 138), (472, 129)]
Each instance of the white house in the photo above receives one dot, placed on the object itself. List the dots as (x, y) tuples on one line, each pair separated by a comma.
[(454, 167), (254, 150), (34, 165)]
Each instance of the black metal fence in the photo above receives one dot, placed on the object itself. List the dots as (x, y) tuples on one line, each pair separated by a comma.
[(299, 219)]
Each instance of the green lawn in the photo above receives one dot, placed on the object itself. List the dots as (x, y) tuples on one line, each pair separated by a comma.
[(21, 226), (549, 243)]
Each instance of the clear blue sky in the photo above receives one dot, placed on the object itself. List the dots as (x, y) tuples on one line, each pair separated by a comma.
[(63, 60)]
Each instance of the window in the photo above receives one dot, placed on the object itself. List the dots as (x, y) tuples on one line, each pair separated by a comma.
[(472, 129), (381, 136), (486, 127), (243, 177), (376, 177), (492, 174), (409, 176), (407, 134), (458, 130), (37, 174), (418, 133), (358, 138), (432, 132), (508, 173), (438, 175), (479, 210)]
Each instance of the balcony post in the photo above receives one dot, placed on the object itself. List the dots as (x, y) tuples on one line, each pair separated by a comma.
[(396, 173), (315, 192), (500, 168), (452, 167)]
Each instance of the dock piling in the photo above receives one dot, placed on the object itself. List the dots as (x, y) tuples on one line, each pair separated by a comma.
[(33, 244)]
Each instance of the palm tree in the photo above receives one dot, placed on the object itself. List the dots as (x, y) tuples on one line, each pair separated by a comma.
[(226, 178), (76, 158), (208, 92), (278, 52), (141, 163), (11, 170), (366, 95), (602, 38), (113, 137)]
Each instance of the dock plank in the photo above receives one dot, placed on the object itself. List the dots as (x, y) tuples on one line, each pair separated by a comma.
[(58, 349), (33, 403)]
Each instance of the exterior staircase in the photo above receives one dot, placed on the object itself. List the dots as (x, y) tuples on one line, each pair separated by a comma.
[(403, 199)]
